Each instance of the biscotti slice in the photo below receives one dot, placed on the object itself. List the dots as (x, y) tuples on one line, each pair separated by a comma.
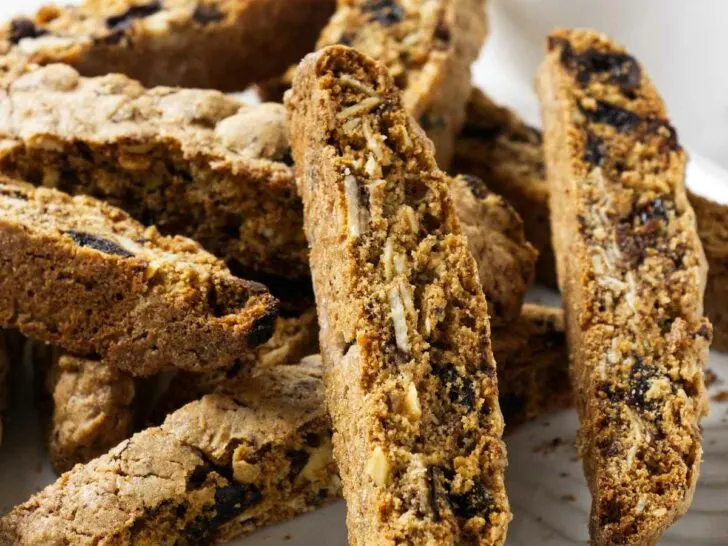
[(427, 46), (495, 145), (533, 365), (712, 220), (84, 276), (632, 273), (192, 162), (193, 43), (217, 468), (92, 409), (409, 375)]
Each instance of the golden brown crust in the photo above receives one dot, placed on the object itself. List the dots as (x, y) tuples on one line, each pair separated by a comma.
[(632, 272), (413, 399), (84, 276), (268, 459), (172, 42)]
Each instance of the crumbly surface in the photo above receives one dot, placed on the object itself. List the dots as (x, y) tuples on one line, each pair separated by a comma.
[(92, 410), (713, 230), (83, 275), (496, 239), (533, 365), (218, 44), (428, 47), (495, 145), (413, 399), (632, 273), (193, 163), (217, 468)]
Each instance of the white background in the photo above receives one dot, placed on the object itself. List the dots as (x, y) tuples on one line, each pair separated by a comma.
[(682, 48)]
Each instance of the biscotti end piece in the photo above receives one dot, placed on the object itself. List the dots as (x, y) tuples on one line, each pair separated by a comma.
[(268, 460), (413, 399), (92, 409), (632, 273), (84, 276), (499, 148), (191, 162), (494, 230), (712, 221), (427, 46), (190, 44)]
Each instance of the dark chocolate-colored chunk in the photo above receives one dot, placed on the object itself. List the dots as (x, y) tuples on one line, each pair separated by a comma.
[(385, 12), (262, 331), (207, 13), (460, 389), (233, 500), (476, 502), (97, 243), (619, 118), (654, 210), (476, 185), (639, 383), (442, 32), (123, 20), (594, 149), (23, 27), (286, 157)]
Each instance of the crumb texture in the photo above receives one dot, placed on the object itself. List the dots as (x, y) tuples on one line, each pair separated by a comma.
[(410, 377), (632, 272), (222, 466), (190, 43), (83, 275)]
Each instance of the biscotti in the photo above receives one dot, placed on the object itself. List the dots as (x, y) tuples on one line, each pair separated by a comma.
[(632, 273), (427, 46), (191, 162), (83, 275), (220, 44), (495, 145), (413, 400), (92, 409), (533, 365), (713, 230), (216, 469)]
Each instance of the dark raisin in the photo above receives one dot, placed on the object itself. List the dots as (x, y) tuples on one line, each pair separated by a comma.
[(639, 383), (24, 28), (705, 331), (442, 32), (619, 118), (262, 330), (287, 157), (207, 13), (97, 243), (623, 70), (460, 389), (512, 405), (125, 19), (554, 42), (659, 126), (594, 149), (198, 476), (384, 12), (180, 511), (197, 532), (113, 38), (476, 502), (476, 185), (233, 500), (653, 210), (610, 512), (298, 459)]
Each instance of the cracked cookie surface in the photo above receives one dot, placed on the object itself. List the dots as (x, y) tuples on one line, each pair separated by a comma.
[(216, 469), (632, 272), (428, 47), (413, 395), (192, 43), (83, 275)]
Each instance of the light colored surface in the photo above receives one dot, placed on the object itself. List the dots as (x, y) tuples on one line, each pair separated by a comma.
[(545, 483)]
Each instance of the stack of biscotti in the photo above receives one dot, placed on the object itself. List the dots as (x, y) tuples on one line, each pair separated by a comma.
[(632, 272)]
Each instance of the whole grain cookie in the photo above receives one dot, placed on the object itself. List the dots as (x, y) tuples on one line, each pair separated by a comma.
[(427, 46), (405, 337), (632, 273), (84, 276), (269, 459), (219, 44)]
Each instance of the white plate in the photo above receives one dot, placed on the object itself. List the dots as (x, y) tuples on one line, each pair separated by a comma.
[(546, 487)]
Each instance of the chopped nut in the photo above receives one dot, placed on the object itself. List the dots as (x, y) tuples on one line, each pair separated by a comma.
[(412, 402), (399, 319), (356, 84), (378, 467), (245, 472), (367, 105), (317, 462), (351, 189), (29, 46)]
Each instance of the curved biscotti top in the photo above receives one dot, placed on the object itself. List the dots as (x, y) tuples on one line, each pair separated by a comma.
[(43, 104)]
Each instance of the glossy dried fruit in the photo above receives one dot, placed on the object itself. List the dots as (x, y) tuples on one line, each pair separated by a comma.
[(87, 240), (24, 28)]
